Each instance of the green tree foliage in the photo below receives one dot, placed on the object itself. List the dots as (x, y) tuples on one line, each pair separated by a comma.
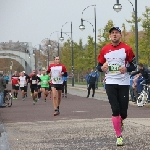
[(131, 36), (66, 55), (89, 54), (124, 33), (145, 38), (103, 36), (79, 55)]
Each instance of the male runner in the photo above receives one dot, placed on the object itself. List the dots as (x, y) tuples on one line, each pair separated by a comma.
[(117, 60), (39, 85), (22, 81), (15, 85), (57, 70), (45, 79), (34, 79)]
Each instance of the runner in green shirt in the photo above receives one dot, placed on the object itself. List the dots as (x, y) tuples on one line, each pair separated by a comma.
[(45, 79)]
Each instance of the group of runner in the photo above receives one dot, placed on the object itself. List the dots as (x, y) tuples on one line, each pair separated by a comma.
[(44, 83), (115, 59)]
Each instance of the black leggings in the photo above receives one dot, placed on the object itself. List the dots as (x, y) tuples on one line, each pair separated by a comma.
[(64, 87), (118, 96), (91, 86)]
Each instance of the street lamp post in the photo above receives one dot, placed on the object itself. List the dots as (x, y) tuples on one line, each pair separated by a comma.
[(61, 39), (39, 58), (58, 41), (82, 27), (117, 7), (49, 45), (34, 54)]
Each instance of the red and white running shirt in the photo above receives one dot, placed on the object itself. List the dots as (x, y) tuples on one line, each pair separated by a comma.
[(14, 79), (116, 56), (56, 70)]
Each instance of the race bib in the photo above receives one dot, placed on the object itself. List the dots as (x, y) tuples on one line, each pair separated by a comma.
[(16, 84), (33, 81), (114, 68), (44, 82), (57, 79), (21, 85)]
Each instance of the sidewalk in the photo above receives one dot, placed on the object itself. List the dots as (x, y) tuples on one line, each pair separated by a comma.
[(84, 87), (101, 92), (3, 137)]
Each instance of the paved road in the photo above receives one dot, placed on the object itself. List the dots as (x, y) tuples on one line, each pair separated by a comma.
[(84, 124)]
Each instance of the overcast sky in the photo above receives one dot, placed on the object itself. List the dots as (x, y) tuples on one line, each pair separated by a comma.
[(35, 20)]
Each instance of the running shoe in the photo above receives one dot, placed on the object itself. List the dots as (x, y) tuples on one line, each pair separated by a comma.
[(23, 99), (14, 98), (36, 100), (119, 141), (56, 113)]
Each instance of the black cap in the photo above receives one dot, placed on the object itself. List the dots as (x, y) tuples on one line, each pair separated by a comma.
[(114, 28)]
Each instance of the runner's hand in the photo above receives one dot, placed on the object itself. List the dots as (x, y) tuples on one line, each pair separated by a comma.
[(104, 67), (123, 70)]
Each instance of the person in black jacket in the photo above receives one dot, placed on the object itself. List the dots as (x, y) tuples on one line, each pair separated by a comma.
[(2, 87), (140, 81), (34, 79)]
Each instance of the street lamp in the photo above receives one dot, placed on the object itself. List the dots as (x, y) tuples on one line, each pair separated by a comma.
[(58, 41), (82, 27), (117, 7), (61, 39)]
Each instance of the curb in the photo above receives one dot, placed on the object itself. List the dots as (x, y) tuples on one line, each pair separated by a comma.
[(132, 103), (103, 92), (4, 145), (85, 89)]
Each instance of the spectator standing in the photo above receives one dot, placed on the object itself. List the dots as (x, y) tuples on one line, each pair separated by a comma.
[(86, 78), (6, 77), (2, 87), (64, 87), (91, 82), (132, 89), (143, 77), (96, 83)]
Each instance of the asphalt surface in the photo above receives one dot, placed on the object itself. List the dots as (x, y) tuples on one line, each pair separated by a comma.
[(83, 124)]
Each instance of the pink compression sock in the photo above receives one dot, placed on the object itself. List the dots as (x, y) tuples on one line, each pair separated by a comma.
[(116, 120)]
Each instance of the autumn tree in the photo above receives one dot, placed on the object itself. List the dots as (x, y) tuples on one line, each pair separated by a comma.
[(66, 55), (145, 39), (103, 36), (131, 36)]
